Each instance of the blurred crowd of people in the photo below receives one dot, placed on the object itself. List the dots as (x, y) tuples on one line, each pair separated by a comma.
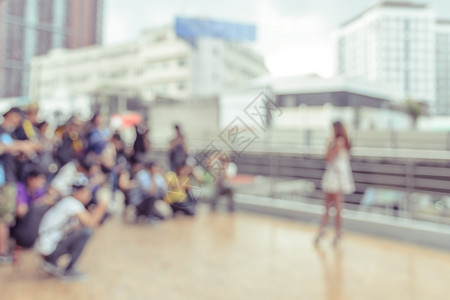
[(57, 185)]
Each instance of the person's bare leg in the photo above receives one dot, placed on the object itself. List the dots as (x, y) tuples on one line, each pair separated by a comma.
[(4, 236), (326, 215), (338, 205), (325, 218)]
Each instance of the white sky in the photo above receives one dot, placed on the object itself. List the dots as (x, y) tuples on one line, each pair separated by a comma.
[(295, 36)]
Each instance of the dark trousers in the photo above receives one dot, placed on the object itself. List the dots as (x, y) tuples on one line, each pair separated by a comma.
[(223, 191), (72, 244), (147, 208), (187, 207)]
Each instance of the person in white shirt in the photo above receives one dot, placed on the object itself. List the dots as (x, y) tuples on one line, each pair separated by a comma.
[(61, 185), (67, 226)]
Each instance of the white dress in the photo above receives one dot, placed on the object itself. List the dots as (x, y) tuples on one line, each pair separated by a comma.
[(338, 175)]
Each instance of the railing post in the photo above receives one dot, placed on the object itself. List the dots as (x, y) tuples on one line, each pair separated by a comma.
[(409, 172), (448, 141), (394, 139), (269, 151), (307, 138)]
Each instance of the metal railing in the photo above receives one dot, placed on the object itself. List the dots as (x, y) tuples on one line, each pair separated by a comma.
[(421, 185), (402, 188)]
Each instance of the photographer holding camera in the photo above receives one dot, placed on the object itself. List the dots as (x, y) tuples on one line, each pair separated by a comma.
[(67, 226)]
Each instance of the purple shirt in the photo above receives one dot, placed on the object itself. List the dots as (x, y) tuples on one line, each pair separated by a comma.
[(23, 196)]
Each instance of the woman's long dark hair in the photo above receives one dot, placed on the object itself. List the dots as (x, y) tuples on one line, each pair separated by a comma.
[(339, 131)]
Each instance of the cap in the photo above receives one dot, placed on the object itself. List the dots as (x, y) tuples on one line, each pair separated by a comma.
[(13, 110), (81, 181)]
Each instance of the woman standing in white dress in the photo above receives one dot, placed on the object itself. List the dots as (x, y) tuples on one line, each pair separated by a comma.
[(337, 179)]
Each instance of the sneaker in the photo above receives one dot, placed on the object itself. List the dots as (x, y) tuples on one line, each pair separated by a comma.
[(6, 260), (153, 220), (73, 275), (51, 269), (337, 238)]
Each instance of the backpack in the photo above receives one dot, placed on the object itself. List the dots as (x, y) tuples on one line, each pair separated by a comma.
[(26, 230)]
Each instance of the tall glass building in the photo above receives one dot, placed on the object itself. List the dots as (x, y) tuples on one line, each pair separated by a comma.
[(393, 45), (31, 28), (443, 67)]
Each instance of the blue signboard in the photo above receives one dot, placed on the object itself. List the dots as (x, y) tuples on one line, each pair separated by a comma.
[(191, 29)]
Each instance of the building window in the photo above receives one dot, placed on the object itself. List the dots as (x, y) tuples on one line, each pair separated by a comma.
[(45, 11), (16, 8), (44, 41), (13, 83), (289, 101), (139, 71), (215, 77), (68, 14), (118, 74), (15, 40), (160, 38), (182, 62)]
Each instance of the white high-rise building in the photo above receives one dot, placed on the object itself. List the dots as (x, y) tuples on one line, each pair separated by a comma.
[(443, 67), (392, 44), (158, 63)]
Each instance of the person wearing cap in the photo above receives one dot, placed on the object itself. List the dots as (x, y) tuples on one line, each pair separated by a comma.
[(67, 226)]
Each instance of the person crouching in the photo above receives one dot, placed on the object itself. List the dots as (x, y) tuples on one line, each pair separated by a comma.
[(66, 228)]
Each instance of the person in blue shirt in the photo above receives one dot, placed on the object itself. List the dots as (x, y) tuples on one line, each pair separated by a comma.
[(153, 187)]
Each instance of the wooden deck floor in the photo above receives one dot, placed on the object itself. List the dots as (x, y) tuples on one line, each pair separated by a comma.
[(240, 256)]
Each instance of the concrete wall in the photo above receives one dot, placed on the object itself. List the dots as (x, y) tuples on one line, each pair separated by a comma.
[(198, 120)]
